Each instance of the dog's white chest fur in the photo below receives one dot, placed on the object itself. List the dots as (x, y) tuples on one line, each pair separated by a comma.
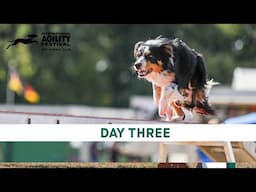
[(162, 79), (168, 95)]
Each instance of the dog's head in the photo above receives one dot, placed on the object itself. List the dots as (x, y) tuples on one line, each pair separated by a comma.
[(153, 56)]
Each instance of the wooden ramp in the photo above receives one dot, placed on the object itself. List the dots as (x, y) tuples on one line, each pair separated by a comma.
[(218, 151)]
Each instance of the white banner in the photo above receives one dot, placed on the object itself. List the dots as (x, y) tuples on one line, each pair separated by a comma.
[(128, 132)]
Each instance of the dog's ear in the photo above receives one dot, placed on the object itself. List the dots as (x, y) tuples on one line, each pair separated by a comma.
[(136, 47), (162, 41), (158, 42), (167, 49)]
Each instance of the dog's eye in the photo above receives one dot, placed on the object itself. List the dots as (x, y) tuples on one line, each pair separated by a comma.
[(150, 56)]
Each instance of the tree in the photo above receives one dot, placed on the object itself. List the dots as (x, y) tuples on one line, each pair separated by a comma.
[(98, 69)]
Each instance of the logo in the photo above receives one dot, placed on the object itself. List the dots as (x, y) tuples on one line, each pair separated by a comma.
[(28, 40), (55, 41), (48, 41)]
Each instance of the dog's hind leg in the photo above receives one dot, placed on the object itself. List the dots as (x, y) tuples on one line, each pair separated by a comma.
[(201, 102)]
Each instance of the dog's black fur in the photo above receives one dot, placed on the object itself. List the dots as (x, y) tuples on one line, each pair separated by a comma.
[(188, 66)]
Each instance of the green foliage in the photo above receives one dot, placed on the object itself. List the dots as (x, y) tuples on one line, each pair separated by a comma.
[(97, 71), (231, 30)]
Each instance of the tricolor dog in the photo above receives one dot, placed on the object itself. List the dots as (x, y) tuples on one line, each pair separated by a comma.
[(178, 76)]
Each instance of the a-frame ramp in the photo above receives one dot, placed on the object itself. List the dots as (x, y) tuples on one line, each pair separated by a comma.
[(218, 151)]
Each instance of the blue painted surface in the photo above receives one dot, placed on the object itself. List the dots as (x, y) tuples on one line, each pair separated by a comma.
[(243, 119), (203, 157)]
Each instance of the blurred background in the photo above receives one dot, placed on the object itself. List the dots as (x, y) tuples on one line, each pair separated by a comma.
[(95, 78)]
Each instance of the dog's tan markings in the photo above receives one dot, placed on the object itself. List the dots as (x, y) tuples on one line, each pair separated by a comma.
[(188, 94), (174, 110), (147, 53), (176, 105), (199, 95), (171, 105), (171, 76), (159, 62), (154, 67)]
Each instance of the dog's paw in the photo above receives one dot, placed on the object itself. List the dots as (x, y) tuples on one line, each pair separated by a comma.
[(169, 113), (161, 111)]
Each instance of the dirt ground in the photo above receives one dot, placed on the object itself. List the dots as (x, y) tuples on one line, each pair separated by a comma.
[(78, 165), (50, 165)]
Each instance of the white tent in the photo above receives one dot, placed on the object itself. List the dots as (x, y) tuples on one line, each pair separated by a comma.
[(244, 79)]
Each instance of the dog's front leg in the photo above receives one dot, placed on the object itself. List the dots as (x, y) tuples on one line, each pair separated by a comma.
[(156, 93), (163, 102)]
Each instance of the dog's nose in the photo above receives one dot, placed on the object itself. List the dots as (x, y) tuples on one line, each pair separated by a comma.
[(137, 65)]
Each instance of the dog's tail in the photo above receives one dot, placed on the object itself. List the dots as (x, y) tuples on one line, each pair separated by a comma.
[(209, 85)]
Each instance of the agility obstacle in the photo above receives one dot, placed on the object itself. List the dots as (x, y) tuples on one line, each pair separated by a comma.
[(217, 151)]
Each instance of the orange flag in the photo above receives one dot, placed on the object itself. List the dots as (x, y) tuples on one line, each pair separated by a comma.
[(31, 94), (15, 83)]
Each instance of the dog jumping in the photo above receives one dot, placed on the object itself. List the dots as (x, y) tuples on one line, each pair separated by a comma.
[(28, 40), (178, 75)]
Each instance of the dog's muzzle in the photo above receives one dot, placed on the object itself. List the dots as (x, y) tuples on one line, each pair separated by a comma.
[(137, 65), (140, 70)]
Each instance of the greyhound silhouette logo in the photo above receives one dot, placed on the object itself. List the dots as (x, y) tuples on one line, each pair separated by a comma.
[(28, 40)]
